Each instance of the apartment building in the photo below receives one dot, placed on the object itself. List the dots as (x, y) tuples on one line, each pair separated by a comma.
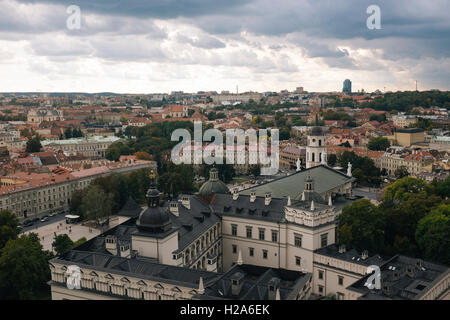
[(93, 147), (29, 194)]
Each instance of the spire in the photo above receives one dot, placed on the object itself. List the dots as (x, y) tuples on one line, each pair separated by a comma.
[(289, 201), (277, 294), (330, 201), (312, 205), (317, 120), (239, 260), (201, 288)]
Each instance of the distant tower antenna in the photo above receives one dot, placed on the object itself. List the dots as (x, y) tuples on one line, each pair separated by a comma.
[(237, 89), (416, 85)]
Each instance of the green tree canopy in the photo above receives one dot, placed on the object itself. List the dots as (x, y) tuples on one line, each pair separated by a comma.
[(62, 243), (361, 226), (24, 270), (378, 144), (433, 235), (9, 229), (34, 145)]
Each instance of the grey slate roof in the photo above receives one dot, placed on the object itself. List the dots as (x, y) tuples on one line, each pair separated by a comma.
[(351, 255), (325, 179), (410, 279), (256, 280), (135, 267), (242, 207), (190, 224), (130, 209)]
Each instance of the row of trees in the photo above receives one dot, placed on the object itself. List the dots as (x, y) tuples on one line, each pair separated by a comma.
[(407, 100), (413, 219), (107, 195)]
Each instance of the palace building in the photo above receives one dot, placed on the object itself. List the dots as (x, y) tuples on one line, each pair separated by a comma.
[(273, 241)]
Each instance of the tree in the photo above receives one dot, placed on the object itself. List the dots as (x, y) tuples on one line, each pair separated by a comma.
[(332, 159), (378, 144), (9, 229), (96, 204), (142, 155), (401, 172), (361, 226), (24, 270), (433, 234), (34, 145), (61, 244), (68, 133), (403, 188)]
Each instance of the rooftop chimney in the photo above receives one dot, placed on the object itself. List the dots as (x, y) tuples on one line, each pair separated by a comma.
[(236, 283), (252, 196), (235, 194), (173, 207), (365, 255), (267, 199), (342, 248), (186, 202)]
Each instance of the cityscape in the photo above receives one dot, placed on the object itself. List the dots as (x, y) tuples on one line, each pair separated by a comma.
[(203, 164)]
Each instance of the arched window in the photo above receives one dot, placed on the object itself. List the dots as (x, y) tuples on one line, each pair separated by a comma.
[(313, 157)]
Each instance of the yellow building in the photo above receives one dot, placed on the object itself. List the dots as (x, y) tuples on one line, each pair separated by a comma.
[(407, 137)]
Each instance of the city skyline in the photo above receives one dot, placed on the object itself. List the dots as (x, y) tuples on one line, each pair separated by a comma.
[(134, 47)]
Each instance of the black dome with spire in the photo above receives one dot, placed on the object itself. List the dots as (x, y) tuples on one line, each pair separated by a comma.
[(154, 219)]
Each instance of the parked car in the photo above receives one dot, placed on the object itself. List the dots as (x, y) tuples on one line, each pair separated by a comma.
[(27, 223), (35, 220), (53, 214), (44, 218)]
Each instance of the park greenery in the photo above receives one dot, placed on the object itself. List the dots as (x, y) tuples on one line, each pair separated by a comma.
[(107, 195), (405, 101), (413, 219)]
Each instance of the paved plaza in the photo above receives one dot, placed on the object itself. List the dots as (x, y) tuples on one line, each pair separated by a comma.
[(74, 231)]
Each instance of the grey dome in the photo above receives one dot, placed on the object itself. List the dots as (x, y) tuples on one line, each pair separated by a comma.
[(317, 131), (213, 185), (154, 220)]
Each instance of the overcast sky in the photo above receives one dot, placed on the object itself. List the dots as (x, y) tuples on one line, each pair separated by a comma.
[(145, 46)]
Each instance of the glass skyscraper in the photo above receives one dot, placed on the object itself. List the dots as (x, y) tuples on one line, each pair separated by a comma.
[(347, 86)]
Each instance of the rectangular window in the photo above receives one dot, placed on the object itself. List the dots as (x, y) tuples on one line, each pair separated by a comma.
[(274, 236), (297, 261), (251, 252), (340, 280), (320, 274), (298, 240), (265, 254), (249, 232), (321, 290), (234, 248), (262, 234), (234, 229), (324, 240)]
